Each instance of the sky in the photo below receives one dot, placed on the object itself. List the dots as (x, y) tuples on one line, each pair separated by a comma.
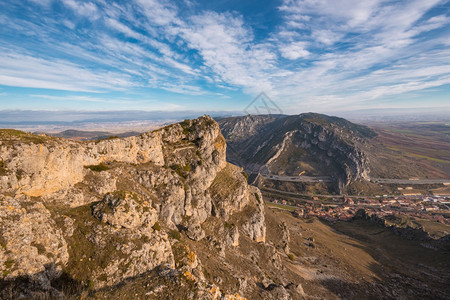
[(153, 55)]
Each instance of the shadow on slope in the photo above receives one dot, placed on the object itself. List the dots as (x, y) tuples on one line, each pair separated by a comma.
[(403, 269)]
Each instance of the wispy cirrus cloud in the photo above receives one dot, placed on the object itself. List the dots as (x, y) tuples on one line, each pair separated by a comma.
[(357, 42), (319, 53), (83, 8), (228, 50), (22, 70)]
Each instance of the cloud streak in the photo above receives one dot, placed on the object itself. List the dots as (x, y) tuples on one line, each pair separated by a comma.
[(322, 52)]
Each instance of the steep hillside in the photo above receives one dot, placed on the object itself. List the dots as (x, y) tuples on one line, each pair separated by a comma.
[(312, 145)]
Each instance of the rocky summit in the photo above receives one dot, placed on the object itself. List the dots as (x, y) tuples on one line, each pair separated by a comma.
[(96, 213), (163, 215)]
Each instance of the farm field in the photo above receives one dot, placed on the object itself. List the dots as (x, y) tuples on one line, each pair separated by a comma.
[(425, 143)]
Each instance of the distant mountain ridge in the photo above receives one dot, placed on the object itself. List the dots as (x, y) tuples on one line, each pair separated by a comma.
[(92, 135)]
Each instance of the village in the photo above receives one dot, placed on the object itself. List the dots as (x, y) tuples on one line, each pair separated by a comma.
[(433, 208)]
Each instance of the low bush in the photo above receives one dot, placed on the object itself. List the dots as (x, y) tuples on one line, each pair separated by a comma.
[(156, 227), (175, 234), (98, 168)]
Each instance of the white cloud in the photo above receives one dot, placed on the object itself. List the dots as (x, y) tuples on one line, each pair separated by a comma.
[(69, 24), (325, 36), (294, 51), (357, 38), (158, 12), (183, 89), (26, 71), (87, 9), (112, 23), (325, 51), (229, 51)]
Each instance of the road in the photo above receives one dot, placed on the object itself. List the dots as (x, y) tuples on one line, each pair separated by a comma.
[(264, 189), (310, 179), (410, 181), (302, 178)]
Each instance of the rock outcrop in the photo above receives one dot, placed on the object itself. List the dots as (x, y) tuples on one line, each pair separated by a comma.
[(42, 166), (100, 212), (125, 210), (30, 241)]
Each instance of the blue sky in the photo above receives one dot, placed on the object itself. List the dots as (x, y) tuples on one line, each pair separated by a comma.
[(323, 55)]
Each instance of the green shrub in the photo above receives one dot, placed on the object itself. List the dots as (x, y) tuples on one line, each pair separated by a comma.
[(98, 168), (2, 168), (245, 175), (183, 171), (187, 127), (228, 225), (8, 263), (156, 227), (291, 256), (175, 234), (19, 174), (257, 198)]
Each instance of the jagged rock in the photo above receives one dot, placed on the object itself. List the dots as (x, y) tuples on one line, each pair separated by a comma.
[(255, 226), (229, 191), (195, 232), (30, 242), (120, 253), (276, 292), (231, 235), (39, 169), (68, 226), (111, 204), (285, 238), (125, 209), (274, 257)]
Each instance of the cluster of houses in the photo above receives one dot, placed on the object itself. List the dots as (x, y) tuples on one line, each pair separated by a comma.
[(343, 209)]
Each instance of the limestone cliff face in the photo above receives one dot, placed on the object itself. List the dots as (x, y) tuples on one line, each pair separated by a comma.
[(104, 211), (317, 145), (40, 169)]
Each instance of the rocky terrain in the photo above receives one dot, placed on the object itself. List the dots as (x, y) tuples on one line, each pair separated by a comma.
[(163, 215), (104, 211), (313, 145)]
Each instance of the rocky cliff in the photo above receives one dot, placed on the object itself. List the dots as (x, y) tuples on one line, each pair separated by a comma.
[(317, 145), (100, 212)]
